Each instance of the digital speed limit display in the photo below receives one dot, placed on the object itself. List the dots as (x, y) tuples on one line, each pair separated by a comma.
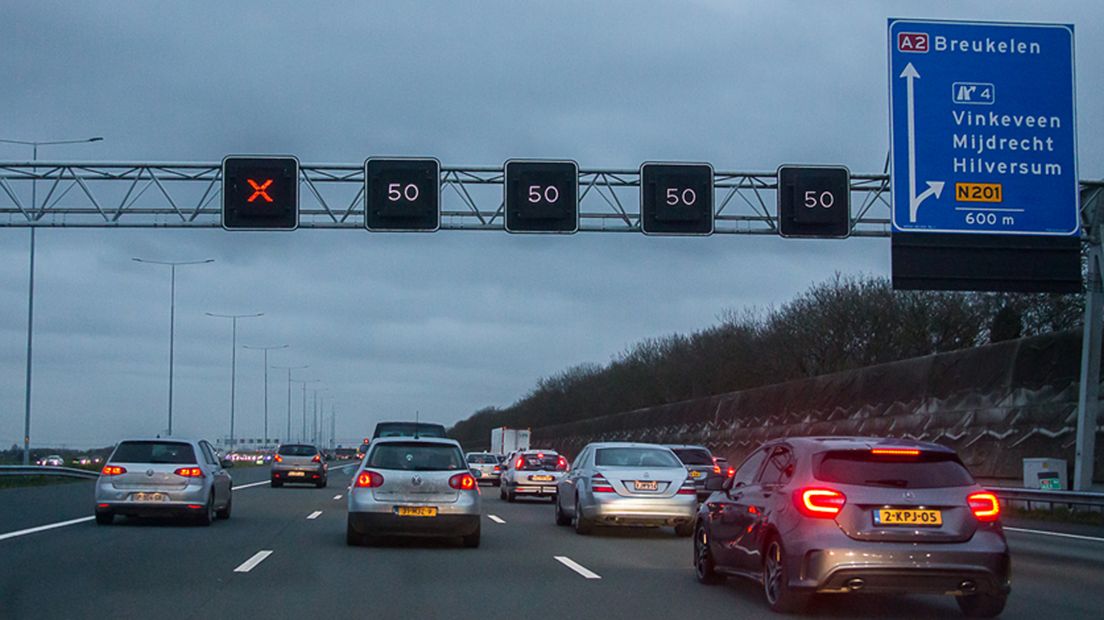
[(814, 202), (676, 199), (541, 196), (260, 193), (402, 194)]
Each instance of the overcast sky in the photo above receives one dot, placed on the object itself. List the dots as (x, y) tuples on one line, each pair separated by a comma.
[(450, 322)]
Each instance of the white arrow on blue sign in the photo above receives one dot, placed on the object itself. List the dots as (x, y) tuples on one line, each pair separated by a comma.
[(983, 132)]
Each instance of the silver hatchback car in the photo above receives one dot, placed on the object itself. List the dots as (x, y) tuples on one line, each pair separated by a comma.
[(409, 486), (533, 473), (145, 477), (299, 463), (618, 483)]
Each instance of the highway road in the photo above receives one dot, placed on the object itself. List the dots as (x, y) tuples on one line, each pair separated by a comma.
[(283, 555)]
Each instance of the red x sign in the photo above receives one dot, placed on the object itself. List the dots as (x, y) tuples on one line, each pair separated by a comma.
[(259, 190)]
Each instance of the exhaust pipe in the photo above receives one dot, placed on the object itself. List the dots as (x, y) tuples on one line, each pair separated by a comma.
[(855, 584)]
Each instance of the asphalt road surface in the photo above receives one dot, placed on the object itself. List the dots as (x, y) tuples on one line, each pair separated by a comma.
[(283, 555)]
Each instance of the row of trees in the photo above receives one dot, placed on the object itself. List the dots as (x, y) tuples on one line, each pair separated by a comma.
[(844, 323)]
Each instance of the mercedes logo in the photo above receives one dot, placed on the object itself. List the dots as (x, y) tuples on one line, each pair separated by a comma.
[(909, 495), (149, 472), (416, 480)]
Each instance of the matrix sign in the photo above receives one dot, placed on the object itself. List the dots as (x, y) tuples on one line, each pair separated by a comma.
[(983, 128), (541, 196), (676, 199), (402, 194), (814, 201), (260, 193)]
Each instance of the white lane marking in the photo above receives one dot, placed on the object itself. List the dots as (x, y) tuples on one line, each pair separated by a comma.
[(43, 528), (251, 484), (1058, 534), (252, 562), (314, 515), (578, 568), (338, 496), (496, 518)]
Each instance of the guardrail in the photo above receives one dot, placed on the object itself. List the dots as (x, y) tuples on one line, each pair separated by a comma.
[(45, 470), (1090, 499)]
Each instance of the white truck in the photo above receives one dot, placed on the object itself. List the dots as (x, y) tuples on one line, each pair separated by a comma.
[(505, 440)]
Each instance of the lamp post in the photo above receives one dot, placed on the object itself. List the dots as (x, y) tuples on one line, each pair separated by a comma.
[(266, 350), (303, 418), (234, 361), (287, 436), (30, 287), (172, 316)]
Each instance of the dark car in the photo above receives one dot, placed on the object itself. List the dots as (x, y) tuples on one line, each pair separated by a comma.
[(704, 468), (847, 515)]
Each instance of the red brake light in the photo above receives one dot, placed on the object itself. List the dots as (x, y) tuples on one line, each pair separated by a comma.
[(317, 458), (278, 458), (821, 503), (599, 484), (895, 451), (561, 464), (189, 472), (463, 482), (731, 472), (498, 468), (520, 463), (369, 479), (984, 505), (113, 470)]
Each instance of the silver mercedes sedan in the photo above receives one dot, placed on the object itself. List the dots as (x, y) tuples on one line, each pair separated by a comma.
[(409, 486), (146, 477), (618, 483)]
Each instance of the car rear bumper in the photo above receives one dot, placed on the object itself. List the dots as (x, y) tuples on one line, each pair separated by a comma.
[(622, 510), (308, 477), (151, 509), (122, 500), (390, 524)]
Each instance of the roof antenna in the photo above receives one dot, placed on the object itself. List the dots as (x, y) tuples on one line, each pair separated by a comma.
[(416, 413)]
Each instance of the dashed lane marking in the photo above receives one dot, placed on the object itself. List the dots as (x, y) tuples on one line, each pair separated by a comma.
[(315, 514), (496, 518), (578, 568), (252, 562)]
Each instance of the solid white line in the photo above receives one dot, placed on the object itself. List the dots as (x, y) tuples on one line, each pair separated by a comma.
[(43, 528), (251, 484), (496, 518), (338, 496), (578, 568), (314, 515), (1058, 534), (252, 562)]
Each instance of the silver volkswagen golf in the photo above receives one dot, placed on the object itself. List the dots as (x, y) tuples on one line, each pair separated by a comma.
[(627, 484), (409, 486), (145, 477)]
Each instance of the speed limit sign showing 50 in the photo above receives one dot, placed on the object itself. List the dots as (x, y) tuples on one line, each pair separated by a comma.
[(676, 198), (541, 196), (814, 201)]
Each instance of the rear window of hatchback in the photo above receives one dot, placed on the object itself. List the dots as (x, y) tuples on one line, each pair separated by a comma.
[(297, 450), (927, 470), (170, 452)]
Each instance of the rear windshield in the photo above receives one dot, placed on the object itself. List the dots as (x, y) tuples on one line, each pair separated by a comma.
[(538, 460), (416, 457), (406, 429), (860, 467), (298, 450), (154, 452), (483, 459), (693, 456), (635, 457)]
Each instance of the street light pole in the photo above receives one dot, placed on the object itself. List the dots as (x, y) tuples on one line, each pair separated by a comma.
[(287, 436), (234, 361), (172, 316), (34, 144), (266, 350), (303, 418)]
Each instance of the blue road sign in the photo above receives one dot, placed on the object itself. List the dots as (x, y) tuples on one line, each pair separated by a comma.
[(983, 128)]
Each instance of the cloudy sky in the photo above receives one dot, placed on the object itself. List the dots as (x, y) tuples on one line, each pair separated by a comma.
[(445, 323)]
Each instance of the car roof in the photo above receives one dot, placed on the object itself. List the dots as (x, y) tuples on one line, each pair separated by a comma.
[(537, 451), (685, 446), (624, 444), (426, 440), (165, 439), (860, 443)]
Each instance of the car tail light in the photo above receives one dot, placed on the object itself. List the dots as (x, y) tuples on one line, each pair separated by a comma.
[(687, 488), (731, 473), (895, 451), (189, 472), (984, 505), (368, 480), (498, 468), (278, 458), (599, 484), (561, 464), (819, 502), (113, 470), (196, 506), (520, 463), (463, 482), (317, 458), (716, 466)]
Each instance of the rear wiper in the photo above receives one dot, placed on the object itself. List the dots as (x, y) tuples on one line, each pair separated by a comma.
[(889, 482)]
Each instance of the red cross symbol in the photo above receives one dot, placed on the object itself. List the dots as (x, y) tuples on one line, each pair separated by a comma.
[(260, 190)]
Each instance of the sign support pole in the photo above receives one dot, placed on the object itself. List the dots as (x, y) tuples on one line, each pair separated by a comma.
[(1088, 398)]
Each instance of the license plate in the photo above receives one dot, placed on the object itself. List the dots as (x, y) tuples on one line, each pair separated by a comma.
[(645, 485), (541, 478), (296, 474), (151, 497), (416, 511), (695, 474), (902, 516)]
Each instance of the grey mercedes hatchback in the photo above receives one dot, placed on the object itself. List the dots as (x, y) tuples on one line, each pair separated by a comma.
[(845, 515)]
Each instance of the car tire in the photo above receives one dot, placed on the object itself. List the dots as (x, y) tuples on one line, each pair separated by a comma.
[(684, 530), (471, 541), (981, 605), (511, 496), (352, 537), (277, 484), (321, 484), (206, 517), (776, 582), (224, 513), (502, 492), (105, 518), (561, 519), (583, 526), (705, 569)]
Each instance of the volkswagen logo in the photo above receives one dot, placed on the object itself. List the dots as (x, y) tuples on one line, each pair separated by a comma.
[(416, 480)]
